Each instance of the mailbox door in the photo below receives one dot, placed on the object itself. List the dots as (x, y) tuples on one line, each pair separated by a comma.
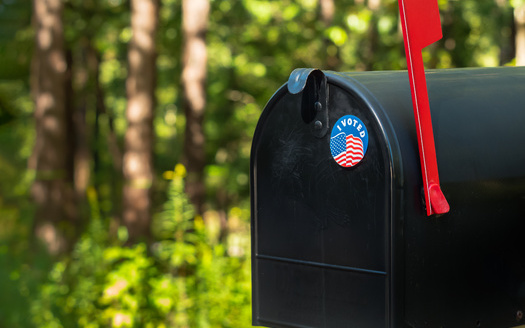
[(320, 231)]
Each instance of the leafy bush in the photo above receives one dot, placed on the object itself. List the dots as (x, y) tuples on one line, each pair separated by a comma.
[(183, 280)]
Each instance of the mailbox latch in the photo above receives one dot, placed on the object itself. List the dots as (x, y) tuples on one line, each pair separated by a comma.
[(314, 102)]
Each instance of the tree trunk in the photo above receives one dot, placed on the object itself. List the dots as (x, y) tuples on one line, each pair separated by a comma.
[(519, 19), (372, 40), (194, 24), (82, 170), (327, 11), (102, 113), (507, 33), (330, 51), (138, 148), (52, 157)]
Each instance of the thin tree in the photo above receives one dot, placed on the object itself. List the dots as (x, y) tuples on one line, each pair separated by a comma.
[(52, 157), (82, 156), (194, 24), (327, 11), (519, 20), (372, 39), (327, 8), (139, 137)]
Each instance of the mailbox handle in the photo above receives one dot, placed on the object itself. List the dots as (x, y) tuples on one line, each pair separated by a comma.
[(314, 103)]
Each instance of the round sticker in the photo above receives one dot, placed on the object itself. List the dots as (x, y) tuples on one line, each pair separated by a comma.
[(349, 141)]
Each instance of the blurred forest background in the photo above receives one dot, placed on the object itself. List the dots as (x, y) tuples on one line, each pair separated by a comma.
[(125, 134)]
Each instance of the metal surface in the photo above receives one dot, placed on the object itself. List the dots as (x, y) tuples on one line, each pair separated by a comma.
[(352, 247)]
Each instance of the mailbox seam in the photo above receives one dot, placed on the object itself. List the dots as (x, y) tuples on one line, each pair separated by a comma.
[(320, 265)]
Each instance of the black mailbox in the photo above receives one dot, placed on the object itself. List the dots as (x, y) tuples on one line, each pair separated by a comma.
[(340, 237)]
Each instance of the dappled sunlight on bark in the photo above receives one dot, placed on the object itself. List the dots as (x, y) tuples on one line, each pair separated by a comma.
[(138, 149), (56, 214), (519, 18), (194, 24)]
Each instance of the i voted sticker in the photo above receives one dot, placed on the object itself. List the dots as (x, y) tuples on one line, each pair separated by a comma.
[(349, 141)]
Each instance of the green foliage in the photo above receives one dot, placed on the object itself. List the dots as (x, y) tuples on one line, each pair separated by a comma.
[(192, 274), (16, 39), (184, 280)]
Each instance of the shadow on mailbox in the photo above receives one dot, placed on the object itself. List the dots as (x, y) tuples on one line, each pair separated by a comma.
[(339, 232)]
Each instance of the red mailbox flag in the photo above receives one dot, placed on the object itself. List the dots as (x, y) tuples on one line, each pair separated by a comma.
[(422, 27)]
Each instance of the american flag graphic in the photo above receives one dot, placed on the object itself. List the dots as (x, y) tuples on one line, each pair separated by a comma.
[(347, 150)]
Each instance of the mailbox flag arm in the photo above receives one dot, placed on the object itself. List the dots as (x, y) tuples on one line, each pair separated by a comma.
[(422, 27)]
